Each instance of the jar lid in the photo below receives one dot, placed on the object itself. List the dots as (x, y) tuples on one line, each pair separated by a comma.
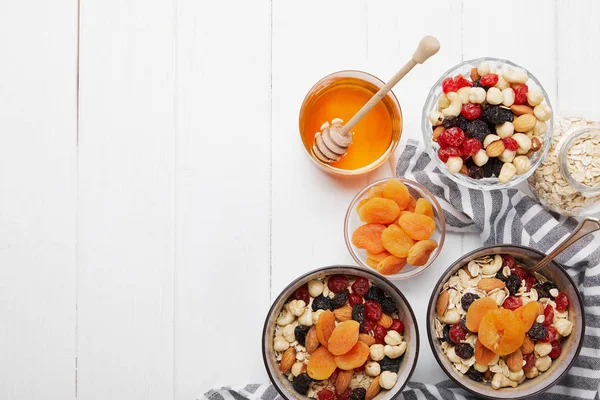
[(580, 160)]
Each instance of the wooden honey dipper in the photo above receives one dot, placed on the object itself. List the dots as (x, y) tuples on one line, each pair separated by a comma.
[(332, 142)]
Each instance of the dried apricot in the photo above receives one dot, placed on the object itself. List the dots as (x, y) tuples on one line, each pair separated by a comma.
[(417, 226), (321, 364), (424, 207), (352, 359), (368, 236), (371, 262), (391, 265), (395, 190), (377, 257), (412, 203), (325, 326), (483, 355), (343, 338), (375, 191), (528, 314), (501, 331), (396, 241), (418, 255), (360, 204), (477, 310), (379, 211)]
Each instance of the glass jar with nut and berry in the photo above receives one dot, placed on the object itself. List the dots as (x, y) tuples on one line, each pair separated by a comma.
[(568, 179)]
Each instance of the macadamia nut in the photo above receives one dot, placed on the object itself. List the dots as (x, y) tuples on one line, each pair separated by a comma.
[(315, 287), (490, 139), (454, 164), (477, 95), (443, 102), (507, 172), (463, 94), (505, 129), (534, 97), (507, 156), (483, 68), (494, 96), (509, 97), (480, 158), (540, 128), (522, 165), (542, 112), (524, 143), (502, 83), (514, 75)]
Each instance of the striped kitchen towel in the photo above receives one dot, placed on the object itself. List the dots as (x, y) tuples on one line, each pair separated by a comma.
[(507, 216)]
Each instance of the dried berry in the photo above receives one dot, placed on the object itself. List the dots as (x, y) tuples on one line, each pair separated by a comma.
[(500, 275), (397, 326), (488, 80), (529, 282), (548, 315), (496, 115), (477, 129), (470, 146), (513, 283), (450, 121), (475, 172), (321, 303), (543, 289), (448, 85), (551, 334), (496, 165), (390, 364), (367, 326), (521, 94), (512, 303), (510, 143), (358, 394), (452, 137), (488, 168), (379, 333), (463, 123), (337, 283), (556, 349), (376, 294), (345, 395), (360, 369), (457, 333), (519, 272), (529, 361), (354, 299), (467, 299), (475, 375), (508, 261), (462, 82), (300, 333), (372, 310), (360, 286), (464, 350), (339, 300), (301, 383), (537, 331), (388, 305), (562, 302), (325, 394), (358, 313), (447, 152), (302, 294), (471, 111)]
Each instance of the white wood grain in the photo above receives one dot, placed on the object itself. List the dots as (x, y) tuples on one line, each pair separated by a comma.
[(126, 200), (223, 193), (38, 150)]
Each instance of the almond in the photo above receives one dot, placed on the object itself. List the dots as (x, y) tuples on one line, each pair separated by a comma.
[(343, 381), (385, 321), (474, 74), (366, 339), (373, 389), (464, 170), (287, 360), (527, 346), (495, 148), (442, 303), (343, 313), (521, 109), (514, 361), (524, 123), (436, 133), (311, 342), (489, 284)]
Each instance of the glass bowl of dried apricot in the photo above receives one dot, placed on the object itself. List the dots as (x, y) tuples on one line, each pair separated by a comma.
[(500, 331), (396, 227), (340, 332)]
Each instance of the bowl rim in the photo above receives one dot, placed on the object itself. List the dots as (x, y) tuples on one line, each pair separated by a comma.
[(417, 339), (435, 204), (496, 185), (431, 338)]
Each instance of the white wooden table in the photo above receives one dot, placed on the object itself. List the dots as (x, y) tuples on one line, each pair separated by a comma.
[(154, 194)]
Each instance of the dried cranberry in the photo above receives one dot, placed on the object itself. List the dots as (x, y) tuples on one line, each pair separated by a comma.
[(556, 349), (325, 394), (354, 299), (302, 294), (529, 361), (360, 286), (548, 315), (471, 111), (562, 302), (470, 146), (521, 94), (488, 80), (510, 143), (448, 85), (367, 326), (519, 272), (512, 303), (508, 261), (453, 136), (372, 310), (337, 283), (462, 82), (551, 335), (397, 326), (379, 333), (345, 395), (445, 153), (334, 375), (530, 281), (360, 369), (457, 333)]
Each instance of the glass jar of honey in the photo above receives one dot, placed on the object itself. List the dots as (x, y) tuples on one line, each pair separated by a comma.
[(341, 95)]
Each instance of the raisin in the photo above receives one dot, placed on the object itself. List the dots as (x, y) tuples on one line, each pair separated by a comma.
[(390, 364), (474, 375), (471, 111), (477, 83), (301, 383), (543, 289), (476, 172), (496, 115), (360, 286), (562, 302), (478, 129), (500, 275), (467, 299), (446, 334), (340, 299), (337, 283), (464, 350), (445, 153), (496, 165), (358, 313), (463, 123), (388, 305), (345, 395), (488, 80), (358, 394), (513, 283), (450, 122), (488, 168), (452, 136), (537, 331), (510, 143), (300, 333), (321, 303), (471, 146), (376, 294), (372, 310)]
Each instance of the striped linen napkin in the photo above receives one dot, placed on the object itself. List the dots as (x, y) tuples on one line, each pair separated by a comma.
[(507, 216)]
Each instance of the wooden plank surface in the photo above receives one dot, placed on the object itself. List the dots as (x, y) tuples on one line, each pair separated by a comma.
[(38, 150), (126, 201)]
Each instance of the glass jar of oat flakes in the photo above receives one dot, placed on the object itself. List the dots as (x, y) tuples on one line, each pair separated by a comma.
[(568, 180)]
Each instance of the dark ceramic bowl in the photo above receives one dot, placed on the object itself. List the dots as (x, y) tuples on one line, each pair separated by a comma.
[(411, 331), (528, 257)]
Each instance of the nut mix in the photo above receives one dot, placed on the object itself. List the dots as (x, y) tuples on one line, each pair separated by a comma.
[(490, 123), (397, 228), (340, 337), (498, 324)]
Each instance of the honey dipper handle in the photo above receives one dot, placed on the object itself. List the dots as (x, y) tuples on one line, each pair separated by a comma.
[(428, 46)]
